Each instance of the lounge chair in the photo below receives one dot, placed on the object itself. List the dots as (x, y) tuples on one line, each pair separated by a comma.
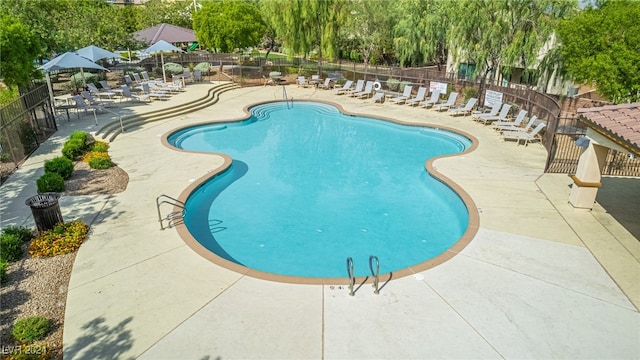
[(517, 122), (87, 95), (368, 91), (492, 112), (94, 90), (126, 94), (344, 88), (106, 87), (448, 104), (82, 105), (422, 92), (197, 75), (523, 136), (502, 116), (138, 79), (435, 96), (464, 110), (526, 128), (359, 88), (158, 94), (302, 81), (315, 80), (378, 97), (326, 84), (406, 94)]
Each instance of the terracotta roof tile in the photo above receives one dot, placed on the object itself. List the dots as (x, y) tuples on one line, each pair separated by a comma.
[(622, 121)]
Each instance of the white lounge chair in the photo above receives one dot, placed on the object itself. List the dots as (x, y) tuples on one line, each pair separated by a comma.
[(502, 116), (422, 92), (87, 95), (95, 91), (406, 94), (106, 87), (126, 94), (492, 112), (359, 88), (82, 105), (517, 122), (523, 136), (326, 84), (368, 91), (435, 96), (344, 88), (378, 97), (519, 128), (315, 80), (158, 94), (448, 104), (464, 110)]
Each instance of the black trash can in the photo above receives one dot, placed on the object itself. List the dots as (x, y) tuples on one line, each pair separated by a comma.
[(45, 210)]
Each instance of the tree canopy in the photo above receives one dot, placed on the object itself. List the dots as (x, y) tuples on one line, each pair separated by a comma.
[(17, 65), (601, 46)]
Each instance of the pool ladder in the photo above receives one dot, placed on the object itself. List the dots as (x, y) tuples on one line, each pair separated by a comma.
[(288, 101), (374, 273), (173, 218)]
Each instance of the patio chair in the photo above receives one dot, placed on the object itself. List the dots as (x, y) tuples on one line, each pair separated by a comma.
[(359, 88), (82, 105), (368, 91), (87, 95), (197, 75), (502, 116), (158, 94), (315, 80), (302, 81), (527, 137), (326, 85), (344, 88), (378, 97), (126, 94), (464, 110), (448, 104), (422, 92), (106, 87), (435, 96), (492, 112), (94, 90), (406, 94), (518, 128), (516, 123)]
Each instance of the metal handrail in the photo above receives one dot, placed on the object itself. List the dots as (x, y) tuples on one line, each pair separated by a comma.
[(286, 97), (375, 274), (170, 217), (352, 279)]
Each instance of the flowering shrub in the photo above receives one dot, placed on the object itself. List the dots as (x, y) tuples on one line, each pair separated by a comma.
[(99, 146), (62, 239)]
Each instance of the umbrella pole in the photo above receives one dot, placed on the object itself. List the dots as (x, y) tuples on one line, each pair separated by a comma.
[(164, 74), (84, 82)]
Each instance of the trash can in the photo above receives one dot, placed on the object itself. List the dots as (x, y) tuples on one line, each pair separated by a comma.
[(45, 210)]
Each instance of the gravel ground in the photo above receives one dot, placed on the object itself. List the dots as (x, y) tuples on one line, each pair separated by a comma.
[(38, 286)]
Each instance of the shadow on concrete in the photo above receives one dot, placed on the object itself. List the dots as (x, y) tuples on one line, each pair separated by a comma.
[(99, 341), (620, 197)]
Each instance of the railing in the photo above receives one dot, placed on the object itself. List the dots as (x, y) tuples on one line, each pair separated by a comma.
[(375, 273), (174, 217), (352, 279), (288, 101)]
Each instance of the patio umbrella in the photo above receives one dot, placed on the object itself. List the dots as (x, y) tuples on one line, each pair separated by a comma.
[(67, 60), (95, 53), (162, 47)]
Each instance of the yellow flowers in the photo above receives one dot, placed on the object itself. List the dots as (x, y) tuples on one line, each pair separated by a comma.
[(62, 239)]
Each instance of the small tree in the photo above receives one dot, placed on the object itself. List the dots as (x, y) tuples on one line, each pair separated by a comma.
[(17, 65), (228, 25)]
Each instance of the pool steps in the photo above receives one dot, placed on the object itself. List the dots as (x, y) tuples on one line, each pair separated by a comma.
[(374, 273), (173, 218), (112, 129)]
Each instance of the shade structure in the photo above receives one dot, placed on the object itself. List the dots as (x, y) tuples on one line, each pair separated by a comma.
[(95, 53), (68, 60), (162, 47)]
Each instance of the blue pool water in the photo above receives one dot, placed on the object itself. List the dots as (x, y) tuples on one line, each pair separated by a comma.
[(310, 186)]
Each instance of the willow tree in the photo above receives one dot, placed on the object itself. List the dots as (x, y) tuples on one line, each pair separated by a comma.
[(304, 25), (420, 32), (228, 25), (507, 33), (601, 46)]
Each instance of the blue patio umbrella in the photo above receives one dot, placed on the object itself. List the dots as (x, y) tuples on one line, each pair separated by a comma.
[(95, 53), (162, 47)]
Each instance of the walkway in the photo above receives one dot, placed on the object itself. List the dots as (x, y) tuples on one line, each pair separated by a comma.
[(540, 279)]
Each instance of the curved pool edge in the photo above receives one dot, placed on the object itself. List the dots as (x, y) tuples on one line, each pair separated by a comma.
[(456, 248)]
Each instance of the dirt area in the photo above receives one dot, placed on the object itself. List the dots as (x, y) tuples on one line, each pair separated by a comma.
[(38, 286)]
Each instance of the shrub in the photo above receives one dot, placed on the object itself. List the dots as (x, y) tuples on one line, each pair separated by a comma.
[(11, 245), (100, 162), (62, 239), (3, 271), (30, 329), (100, 146), (50, 182), (393, 84), (203, 67), (470, 92), (73, 148), (24, 233), (173, 68), (81, 135), (60, 165), (27, 137)]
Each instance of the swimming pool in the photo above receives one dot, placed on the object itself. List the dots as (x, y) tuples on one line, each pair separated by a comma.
[(310, 186)]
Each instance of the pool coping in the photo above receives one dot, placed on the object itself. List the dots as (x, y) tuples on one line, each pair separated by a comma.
[(456, 248)]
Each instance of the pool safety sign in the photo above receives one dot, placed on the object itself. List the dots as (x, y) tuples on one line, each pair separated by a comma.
[(492, 97), (434, 85)]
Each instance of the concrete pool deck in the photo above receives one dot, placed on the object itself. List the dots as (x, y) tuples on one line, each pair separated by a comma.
[(539, 280)]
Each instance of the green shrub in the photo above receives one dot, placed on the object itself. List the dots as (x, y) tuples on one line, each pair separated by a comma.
[(81, 135), (100, 146), (73, 148), (50, 182), (27, 137), (60, 165), (470, 92), (11, 245), (173, 68), (24, 233), (203, 67), (3, 271), (393, 84), (100, 162), (30, 329)]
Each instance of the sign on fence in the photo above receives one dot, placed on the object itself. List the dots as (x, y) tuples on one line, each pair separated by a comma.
[(442, 87), (492, 97)]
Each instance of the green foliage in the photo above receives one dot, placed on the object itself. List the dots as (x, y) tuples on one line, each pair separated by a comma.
[(601, 46), (30, 329), (155, 12), (27, 137), (203, 67), (11, 245), (73, 148), (50, 182), (100, 146), (3, 271), (23, 233), (470, 92), (393, 84), (60, 165), (173, 68), (228, 25), (420, 31), (8, 95), (89, 78), (81, 135), (17, 65), (62, 239), (100, 162)]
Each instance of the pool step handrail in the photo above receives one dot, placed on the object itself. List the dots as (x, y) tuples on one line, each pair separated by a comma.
[(286, 97), (375, 274), (173, 218), (352, 279)]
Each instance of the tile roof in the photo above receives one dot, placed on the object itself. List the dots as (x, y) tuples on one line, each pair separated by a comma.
[(167, 32), (620, 121)]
